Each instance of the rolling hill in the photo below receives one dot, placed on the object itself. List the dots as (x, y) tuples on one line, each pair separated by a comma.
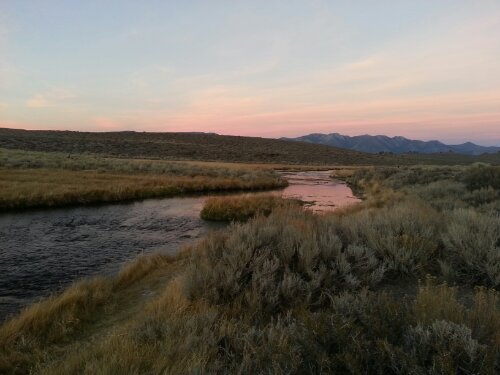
[(398, 145), (212, 147)]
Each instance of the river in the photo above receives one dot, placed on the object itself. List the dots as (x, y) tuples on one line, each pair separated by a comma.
[(43, 251)]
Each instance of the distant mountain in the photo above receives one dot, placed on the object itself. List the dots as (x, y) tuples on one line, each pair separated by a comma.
[(397, 145)]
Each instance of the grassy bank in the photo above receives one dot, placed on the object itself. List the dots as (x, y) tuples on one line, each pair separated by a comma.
[(32, 179), (242, 208), (398, 285), (27, 188)]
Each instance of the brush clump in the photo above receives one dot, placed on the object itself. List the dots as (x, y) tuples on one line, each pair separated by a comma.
[(397, 285)]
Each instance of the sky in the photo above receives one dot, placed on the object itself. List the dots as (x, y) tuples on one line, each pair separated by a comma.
[(427, 69)]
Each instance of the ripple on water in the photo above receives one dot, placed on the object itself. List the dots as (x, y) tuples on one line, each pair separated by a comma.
[(43, 251)]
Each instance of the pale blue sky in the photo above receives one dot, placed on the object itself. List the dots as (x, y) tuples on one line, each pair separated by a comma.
[(424, 69)]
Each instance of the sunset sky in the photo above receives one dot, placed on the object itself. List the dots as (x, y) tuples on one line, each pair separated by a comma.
[(427, 69)]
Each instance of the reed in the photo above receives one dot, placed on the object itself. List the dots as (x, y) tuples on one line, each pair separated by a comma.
[(242, 208), (26, 188)]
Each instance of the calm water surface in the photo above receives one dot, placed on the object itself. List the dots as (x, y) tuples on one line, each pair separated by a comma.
[(43, 251), (319, 192)]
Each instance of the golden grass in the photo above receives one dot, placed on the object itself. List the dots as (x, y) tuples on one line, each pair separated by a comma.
[(289, 293), (343, 173), (281, 290), (22, 188), (47, 328), (242, 208), (436, 302)]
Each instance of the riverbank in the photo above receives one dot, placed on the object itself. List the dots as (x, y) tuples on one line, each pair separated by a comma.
[(68, 243), (36, 188), (34, 179), (296, 292)]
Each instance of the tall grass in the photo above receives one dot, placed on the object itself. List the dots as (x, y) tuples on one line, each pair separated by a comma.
[(241, 208), (406, 286), (41, 329), (42, 187)]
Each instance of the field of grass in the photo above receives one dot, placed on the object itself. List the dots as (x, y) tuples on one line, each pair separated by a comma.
[(211, 147), (405, 283), (242, 208), (35, 179)]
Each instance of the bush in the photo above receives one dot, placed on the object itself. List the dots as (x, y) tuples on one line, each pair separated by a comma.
[(442, 195), (271, 264), (296, 292), (446, 348), (482, 176), (404, 237), (472, 245)]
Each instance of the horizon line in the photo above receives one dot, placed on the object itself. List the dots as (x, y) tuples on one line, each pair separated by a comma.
[(248, 136)]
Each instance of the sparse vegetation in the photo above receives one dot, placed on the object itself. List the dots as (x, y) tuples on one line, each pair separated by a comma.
[(241, 208), (406, 283), (212, 147)]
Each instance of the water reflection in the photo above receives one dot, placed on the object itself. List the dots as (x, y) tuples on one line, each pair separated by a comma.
[(319, 192), (44, 251)]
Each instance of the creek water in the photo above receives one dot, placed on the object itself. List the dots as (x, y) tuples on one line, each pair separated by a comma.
[(318, 191), (43, 251)]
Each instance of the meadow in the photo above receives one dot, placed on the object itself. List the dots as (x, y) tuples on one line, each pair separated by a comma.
[(41, 179), (404, 283)]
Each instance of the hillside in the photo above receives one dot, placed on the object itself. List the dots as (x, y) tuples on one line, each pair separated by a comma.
[(398, 145), (211, 147)]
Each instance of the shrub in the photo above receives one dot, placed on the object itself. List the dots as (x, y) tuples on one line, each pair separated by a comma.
[(482, 196), (472, 245), (271, 264), (446, 348), (442, 195), (482, 176), (301, 293), (404, 237)]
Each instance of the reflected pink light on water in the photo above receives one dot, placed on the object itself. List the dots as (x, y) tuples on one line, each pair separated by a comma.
[(319, 192)]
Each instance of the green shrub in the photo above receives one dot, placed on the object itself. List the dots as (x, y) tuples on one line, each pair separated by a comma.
[(482, 176)]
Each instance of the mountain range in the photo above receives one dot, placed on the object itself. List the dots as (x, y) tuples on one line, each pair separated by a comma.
[(397, 145)]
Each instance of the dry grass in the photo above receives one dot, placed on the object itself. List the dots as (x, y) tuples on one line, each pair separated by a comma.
[(48, 328), (22, 188), (242, 208), (43, 179), (293, 292), (290, 293), (343, 173)]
